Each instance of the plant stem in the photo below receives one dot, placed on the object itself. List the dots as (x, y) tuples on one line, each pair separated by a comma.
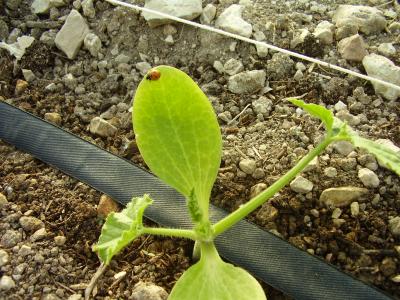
[(182, 233), (257, 201)]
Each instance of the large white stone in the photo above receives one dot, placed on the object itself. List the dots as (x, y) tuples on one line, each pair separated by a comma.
[(70, 38), (324, 32), (352, 48), (383, 68), (188, 9), (342, 196), (368, 19), (231, 21)]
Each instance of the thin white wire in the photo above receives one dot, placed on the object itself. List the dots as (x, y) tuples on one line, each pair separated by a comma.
[(269, 46)]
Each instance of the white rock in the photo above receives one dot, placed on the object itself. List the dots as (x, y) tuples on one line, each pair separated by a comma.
[(148, 291), (233, 66), (101, 127), (355, 209), (40, 6), (298, 75), (6, 283), (188, 9), (368, 19), (330, 172), (341, 196), (352, 48), (394, 226), (387, 49), (88, 8), (336, 213), (4, 257), (208, 14), (324, 32), (262, 106), (38, 235), (343, 147), (92, 43), (301, 185), (262, 51), (248, 166), (257, 189), (57, 3), (340, 106), (143, 67), (218, 66), (299, 38), (247, 82), (28, 75), (383, 68), (368, 178), (231, 21), (70, 38)]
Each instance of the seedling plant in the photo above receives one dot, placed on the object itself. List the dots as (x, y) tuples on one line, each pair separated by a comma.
[(179, 138)]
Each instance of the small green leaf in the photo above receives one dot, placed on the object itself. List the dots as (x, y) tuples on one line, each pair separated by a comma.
[(213, 279), (178, 135), (121, 228), (325, 115), (386, 156)]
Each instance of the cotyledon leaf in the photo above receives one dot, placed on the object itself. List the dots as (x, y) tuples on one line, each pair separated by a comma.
[(121, 228), (213, 279), (177, 133)]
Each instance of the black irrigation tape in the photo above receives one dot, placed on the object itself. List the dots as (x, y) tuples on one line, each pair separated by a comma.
[(270, 258)]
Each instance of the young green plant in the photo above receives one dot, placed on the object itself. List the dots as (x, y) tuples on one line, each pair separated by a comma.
[(178, 135)]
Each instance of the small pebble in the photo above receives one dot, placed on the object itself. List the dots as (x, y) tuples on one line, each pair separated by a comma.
[(38, 235), (301, 185), (60, 240), (368, 178), (106, 206), (30, 223), (354, 209), (4, 257), (248, 166), (336, 213)]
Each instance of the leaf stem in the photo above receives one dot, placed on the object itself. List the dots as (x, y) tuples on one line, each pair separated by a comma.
[(260, 199), (182, 233)]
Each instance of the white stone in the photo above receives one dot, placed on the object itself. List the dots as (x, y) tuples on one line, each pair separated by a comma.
[(262, 106), (188, 9), (301, 185), (383, 68), (57, 3), (299, 38), (394, 226), (28, 75), (340, 106), (88, 8), (6, 283), (368, 19), (341, 196), (324, 32), (40, 6), (247, 82), (248, 166), (218, 66), (231, 21), (330, 172), (336, 213), (355, 209), (233, 66), (352, 48), (343, 147), (387, 49), (4, 258), (148, 291), (70, 38), (92, 43), (208, 14), (262, 51), (368, 178), (298, 75), (101, 127)]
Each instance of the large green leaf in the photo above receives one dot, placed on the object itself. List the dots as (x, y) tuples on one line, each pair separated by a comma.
[(213, 279), (121, 228), (325, 115), (178, 135)]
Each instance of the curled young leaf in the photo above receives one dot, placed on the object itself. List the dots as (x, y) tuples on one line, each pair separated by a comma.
[(325, 115), (213, 279), (178, 135), (121, 228)]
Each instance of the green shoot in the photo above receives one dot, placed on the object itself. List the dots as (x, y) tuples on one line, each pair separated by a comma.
[(178, 135)]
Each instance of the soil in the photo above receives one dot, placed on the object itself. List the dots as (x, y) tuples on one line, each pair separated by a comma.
[(362, 246)]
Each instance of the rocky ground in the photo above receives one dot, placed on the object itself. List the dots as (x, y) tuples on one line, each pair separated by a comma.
[(77, 64)]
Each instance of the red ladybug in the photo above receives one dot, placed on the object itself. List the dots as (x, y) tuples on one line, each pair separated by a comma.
[(153, 75)]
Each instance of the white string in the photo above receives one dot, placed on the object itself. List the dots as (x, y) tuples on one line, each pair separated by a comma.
[(254, 42)]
